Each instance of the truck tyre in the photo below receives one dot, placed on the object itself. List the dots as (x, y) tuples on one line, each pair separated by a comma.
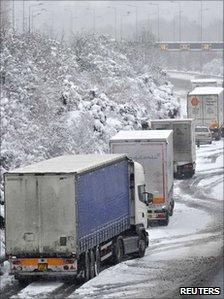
[(97, 261), (87, 266), (141, 246), (166, 221), (119, 250), (171, 208), (92, 264)]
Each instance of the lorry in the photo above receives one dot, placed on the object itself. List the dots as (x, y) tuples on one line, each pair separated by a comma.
[(203, 82), (184, 148), (205, 105), (153, 149), (67, 215)]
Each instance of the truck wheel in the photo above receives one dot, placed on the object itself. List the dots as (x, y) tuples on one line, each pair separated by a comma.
[(97, 262), (92, 264), (165, 222), (141, 247), (119, 251), (172, 207), (87, 267)]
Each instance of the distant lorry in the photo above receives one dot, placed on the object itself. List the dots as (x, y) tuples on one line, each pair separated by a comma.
[(184, 149), (154, 151), (67, 215), (203, 82), (205, 105)]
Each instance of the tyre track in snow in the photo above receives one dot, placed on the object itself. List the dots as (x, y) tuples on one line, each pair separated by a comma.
[(9, 291), (161, 284), (67, 289), (163, 277)]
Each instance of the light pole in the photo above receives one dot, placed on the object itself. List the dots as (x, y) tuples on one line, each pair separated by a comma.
[(158, 29), (23, 16), (115, 21), (148, 20), (201, 14), (34, 16), (136, 19), (122, 17), (13, 15), (94, 18), (180, 11), (36, 5)]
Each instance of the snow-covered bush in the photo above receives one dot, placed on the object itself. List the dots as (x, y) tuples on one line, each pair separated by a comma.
[(214, 67), (64, 100)]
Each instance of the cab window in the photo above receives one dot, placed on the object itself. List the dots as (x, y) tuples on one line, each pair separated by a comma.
[(141, 191)]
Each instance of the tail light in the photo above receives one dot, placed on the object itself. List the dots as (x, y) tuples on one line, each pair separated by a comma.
[(68, 261), (161, 215), (189, 166)]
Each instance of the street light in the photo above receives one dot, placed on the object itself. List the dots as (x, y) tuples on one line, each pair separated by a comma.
[(201, 12), (115, 20), (136, 19), (23, 16), (36, 15), (180, 11), (13, 15), (36, 5), (148, 20), (94, 18), (121, 29), (157, 5)]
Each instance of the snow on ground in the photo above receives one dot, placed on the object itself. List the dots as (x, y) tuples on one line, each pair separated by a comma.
[(6, 279), (166, 243), (210, 160), (38, 290), (214, 67), (192, 223), (189, 241)]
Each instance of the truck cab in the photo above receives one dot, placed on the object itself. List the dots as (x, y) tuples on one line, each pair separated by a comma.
[(142, 198)]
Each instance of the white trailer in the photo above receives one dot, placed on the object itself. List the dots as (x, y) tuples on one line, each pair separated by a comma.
[(205, 105), (154, 150), (184, 149)]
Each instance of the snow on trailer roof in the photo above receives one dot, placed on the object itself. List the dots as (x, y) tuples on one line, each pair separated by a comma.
[(204, 80), (206, 90), (69, 164), (172, 120), (154, 135)]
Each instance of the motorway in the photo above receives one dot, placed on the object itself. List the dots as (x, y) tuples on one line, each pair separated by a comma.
[(188, 252)]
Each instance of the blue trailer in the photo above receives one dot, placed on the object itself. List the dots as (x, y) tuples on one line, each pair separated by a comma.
[(67, 215)]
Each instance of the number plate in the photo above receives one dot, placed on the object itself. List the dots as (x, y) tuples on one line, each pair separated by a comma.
[(42, 267)]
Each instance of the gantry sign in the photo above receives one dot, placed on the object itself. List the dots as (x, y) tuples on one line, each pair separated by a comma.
[(190, 46)]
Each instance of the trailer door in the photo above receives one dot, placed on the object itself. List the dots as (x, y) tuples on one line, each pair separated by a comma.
[(210, 110), (195, 108), (40, 214), (22, 215), (57, 214)]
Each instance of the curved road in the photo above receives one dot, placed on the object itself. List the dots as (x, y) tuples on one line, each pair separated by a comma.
[(188, 252)]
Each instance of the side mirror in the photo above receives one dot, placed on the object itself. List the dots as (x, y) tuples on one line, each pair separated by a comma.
[(148, 198)]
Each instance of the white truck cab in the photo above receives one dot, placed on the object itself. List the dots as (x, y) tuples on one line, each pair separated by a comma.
[(140, 207)]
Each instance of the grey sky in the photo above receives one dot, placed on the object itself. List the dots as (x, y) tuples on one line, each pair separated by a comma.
[(98, 15)]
